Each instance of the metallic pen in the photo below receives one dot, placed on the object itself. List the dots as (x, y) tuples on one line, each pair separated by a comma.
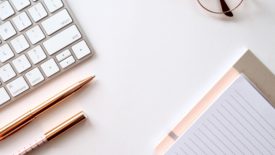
[(29, 116), (54, 133)]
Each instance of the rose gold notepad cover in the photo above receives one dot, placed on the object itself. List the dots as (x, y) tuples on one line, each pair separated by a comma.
[(249, 65)]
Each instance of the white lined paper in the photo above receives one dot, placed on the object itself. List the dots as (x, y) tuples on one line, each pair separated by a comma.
[(240, 121)]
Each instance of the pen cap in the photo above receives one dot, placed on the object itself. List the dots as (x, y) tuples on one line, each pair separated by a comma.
[(65, 125)]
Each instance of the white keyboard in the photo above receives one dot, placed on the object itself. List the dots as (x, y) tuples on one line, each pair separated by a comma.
[(39, 39)]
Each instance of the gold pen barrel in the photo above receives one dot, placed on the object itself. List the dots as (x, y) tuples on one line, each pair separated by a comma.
[(15, 125), (53, 133), (26, 118), (65, 126)]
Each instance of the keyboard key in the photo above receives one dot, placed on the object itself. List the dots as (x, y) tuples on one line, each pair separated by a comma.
[(81, 50), (5, 10), (37, 12), (63, 55), (5, 53), (34, 76), (53, 5), (35, 34), (22, 21), (4, 96), (20, 4), (62, 39), (20, 44), (56, 22), (6, 73), (7, 31), (21, 63), (50, 67), (37, 54), (17, 86), (67, 62)]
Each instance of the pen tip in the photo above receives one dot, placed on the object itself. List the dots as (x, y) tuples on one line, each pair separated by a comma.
[(85, 81), (88, 79), (91, 77)]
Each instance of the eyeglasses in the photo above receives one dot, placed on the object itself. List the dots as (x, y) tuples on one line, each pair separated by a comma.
[(220, 6)]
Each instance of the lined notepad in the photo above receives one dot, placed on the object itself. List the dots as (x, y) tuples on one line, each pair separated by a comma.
[(240, 121)]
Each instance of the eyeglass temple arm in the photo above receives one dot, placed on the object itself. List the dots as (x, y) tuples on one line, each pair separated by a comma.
[(226, 9)]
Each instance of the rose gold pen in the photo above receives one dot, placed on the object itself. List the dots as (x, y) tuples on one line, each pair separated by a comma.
[(54, 132), (29, 116)]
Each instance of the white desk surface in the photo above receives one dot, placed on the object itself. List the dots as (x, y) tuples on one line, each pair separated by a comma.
[(154, 60)]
